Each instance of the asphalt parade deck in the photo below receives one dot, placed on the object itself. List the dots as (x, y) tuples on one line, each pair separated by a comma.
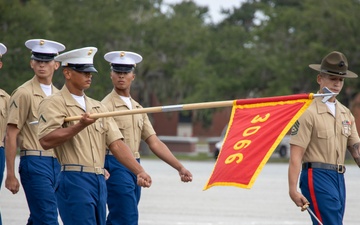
[(171, 202)]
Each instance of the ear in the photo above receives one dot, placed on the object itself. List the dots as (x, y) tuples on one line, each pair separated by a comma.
[(133, 78), (0, 64), (57, 65), (319, 78), (112, 75), (67, 73), (31, 64)]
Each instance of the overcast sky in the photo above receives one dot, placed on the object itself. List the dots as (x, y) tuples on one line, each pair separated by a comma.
[(214, 6)]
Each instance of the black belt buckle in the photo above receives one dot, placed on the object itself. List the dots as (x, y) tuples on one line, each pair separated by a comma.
[(341, 168)]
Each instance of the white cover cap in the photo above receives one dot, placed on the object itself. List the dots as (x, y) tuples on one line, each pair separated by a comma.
[(79, 59), (3, 49), (122, 61), (44, 50)]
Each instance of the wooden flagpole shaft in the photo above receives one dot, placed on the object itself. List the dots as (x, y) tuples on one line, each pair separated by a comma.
[(170, 108)]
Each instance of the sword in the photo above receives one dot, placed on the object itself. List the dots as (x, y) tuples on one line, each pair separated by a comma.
[(306, 207)]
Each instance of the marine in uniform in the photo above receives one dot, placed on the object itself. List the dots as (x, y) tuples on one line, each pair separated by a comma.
[(81, 145), (123, 192), (4, 100), (38, 168), (319, 140)]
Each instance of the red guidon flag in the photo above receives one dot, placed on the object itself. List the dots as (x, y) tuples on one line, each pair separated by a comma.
[(255, 129)]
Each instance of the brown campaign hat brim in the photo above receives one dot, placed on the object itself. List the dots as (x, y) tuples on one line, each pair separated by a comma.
[(349, 74)]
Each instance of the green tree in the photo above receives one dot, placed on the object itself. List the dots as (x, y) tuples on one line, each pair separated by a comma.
[(31, 20), (261, 48), (298, 33), (173, 46)]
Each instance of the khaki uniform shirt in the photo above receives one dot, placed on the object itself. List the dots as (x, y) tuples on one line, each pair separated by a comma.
[(88, 147), (4, 101), (23, 109), (324, 137), (134, 127)]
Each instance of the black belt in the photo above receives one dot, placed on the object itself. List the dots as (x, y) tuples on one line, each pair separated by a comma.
[(338, 168)]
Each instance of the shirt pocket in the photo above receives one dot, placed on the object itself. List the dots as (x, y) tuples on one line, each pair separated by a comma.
[(99, 126), (124, 126), (35, 102), (325, 134), (3, 113), (141, 124)]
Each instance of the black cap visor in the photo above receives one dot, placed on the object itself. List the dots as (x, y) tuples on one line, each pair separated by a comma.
[(87, 68), (122, 68), (43, 56)]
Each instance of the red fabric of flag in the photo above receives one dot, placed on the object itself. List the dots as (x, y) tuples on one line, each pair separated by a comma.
[(255, 129)]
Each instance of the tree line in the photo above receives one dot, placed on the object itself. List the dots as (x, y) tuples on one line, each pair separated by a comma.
[(261, 48)]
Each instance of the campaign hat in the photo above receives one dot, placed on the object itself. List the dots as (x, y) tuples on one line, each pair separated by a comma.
[(336, 64)]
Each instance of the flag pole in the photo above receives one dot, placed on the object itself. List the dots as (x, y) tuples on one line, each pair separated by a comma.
[(157, 109), (171, 108)]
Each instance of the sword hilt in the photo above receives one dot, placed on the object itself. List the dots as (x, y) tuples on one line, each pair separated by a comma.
[(305, 206)]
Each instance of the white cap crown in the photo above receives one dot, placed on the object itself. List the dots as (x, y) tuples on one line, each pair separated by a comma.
[(3, 49), (80, 59), (123, 57), (44, 46), (77, 56)]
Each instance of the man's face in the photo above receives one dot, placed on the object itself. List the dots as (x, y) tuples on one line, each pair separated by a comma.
[(44, 69), (334, 83), (122, 80), (79, 80)]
